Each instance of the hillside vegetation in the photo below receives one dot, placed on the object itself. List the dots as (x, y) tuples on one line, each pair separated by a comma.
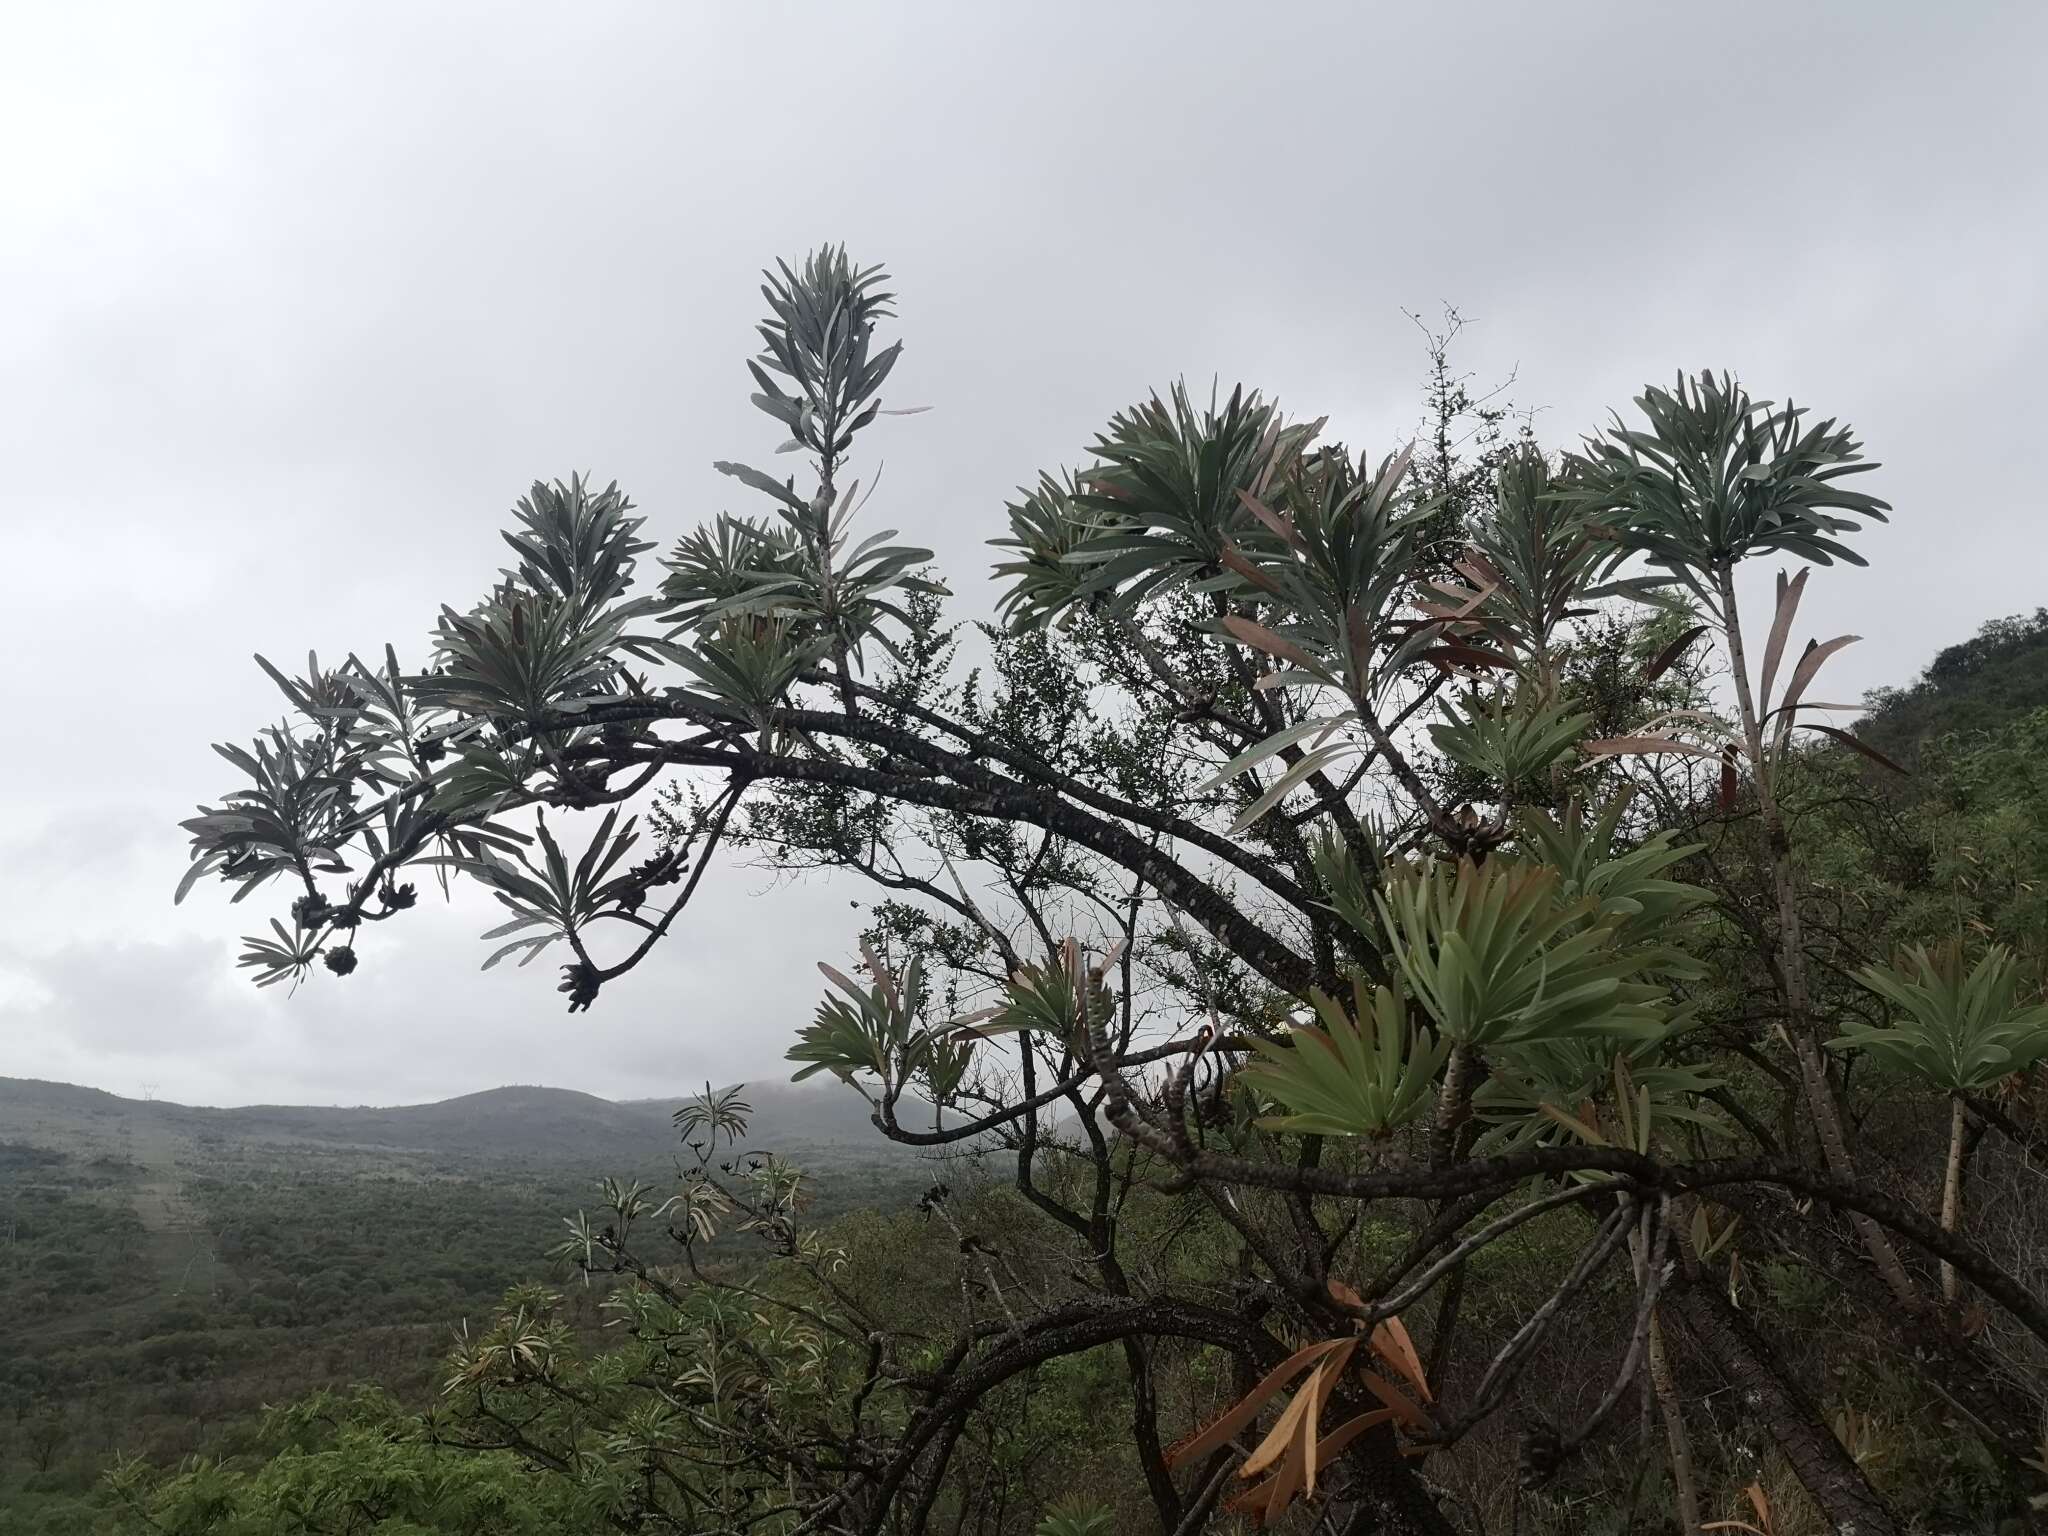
[(167, 1271), (1424, 1059), (1978, 687), (170, 1271)]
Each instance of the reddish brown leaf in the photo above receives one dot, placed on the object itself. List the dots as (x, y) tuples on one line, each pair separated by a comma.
[(881, 974), (1246, 1408), (1232, 560), (1855, 744), (1320, 1386), (1383, 488), (1260, 638), (1476, 568), (1396, 1400), (1390, 1341), (1285, 1484), (1665, 658), (1466, 601), (1809, 704), (833, 973), (1284, 1438), (1334, 1442), (1809, 663), (1251, 1501), (1758, 1501), (1781, 630), (1279, 522), (1728, 780)]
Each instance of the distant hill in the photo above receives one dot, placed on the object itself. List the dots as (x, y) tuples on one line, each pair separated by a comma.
[(532, 1127), (169, 1269), (1978, 685)]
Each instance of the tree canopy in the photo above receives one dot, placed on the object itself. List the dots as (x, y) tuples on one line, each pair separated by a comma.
[(1305, 920)]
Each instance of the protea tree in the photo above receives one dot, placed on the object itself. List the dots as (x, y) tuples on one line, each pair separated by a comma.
[(1251, 885), (1714, 478), (1961, 1029)]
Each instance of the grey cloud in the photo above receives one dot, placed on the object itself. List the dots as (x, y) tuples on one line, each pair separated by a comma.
[(300, 302)]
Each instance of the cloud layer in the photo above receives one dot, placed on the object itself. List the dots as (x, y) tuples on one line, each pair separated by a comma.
[(300, 303)]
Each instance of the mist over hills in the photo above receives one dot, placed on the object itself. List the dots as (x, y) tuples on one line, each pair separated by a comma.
[(521, 1126), (176, 1267)]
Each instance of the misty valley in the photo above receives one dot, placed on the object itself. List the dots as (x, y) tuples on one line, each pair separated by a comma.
[(167, 1273)]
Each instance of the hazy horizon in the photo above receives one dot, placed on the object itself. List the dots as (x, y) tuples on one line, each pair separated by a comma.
[(147, 1095)]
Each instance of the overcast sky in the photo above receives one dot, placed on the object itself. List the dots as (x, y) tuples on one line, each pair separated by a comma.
[(299, 299)]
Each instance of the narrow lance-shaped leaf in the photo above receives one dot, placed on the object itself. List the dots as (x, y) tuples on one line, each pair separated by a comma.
[(1789, 593)]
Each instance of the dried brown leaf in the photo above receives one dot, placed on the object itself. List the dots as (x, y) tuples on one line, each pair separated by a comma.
[(882, 977), (1279, 522), (1245, 1409), (1855, 743), (1476, 568), (834, 974), (1465, 600), (1396, 1400), (1664, 659), (1390, 1341), (1809, 663), (1383, 488), (1285, 1435), (1336, 1440), (1781, 630), (1233, 560), (1257, 636)]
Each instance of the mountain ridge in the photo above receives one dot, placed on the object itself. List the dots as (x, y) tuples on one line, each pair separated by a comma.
[(502, 1089), (509, 1124)]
